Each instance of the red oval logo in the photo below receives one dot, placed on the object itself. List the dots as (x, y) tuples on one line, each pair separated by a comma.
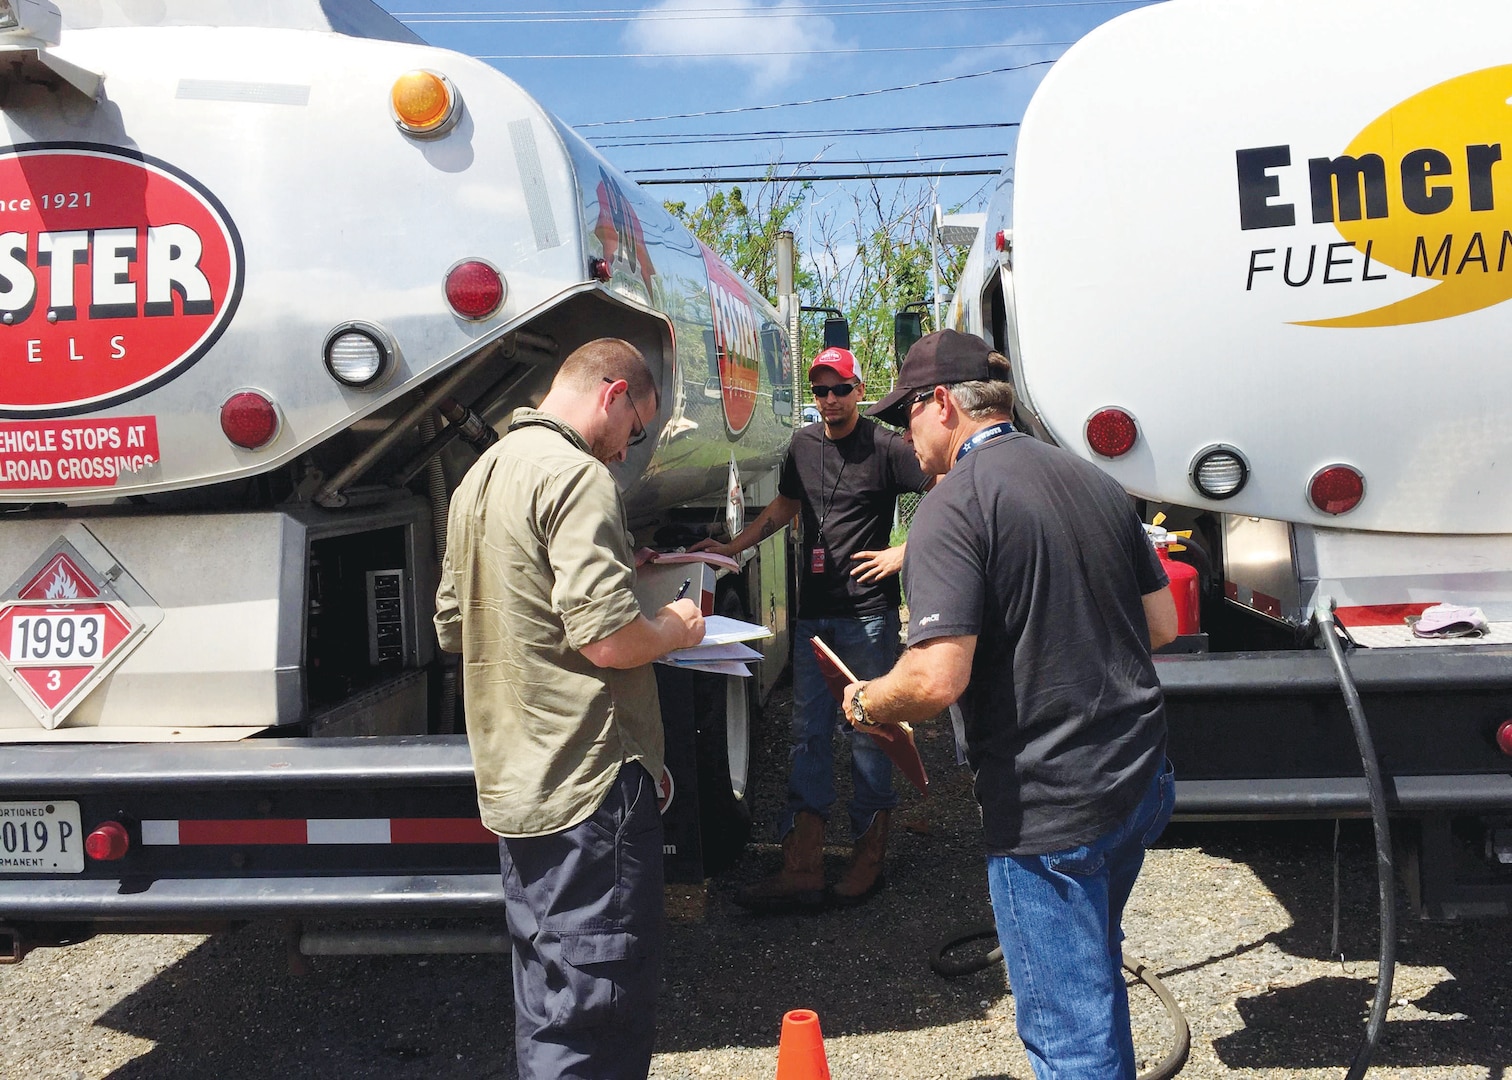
[(735, 338), (117, 272)]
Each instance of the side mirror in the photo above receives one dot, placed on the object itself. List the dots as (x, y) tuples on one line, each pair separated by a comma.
[(908, 327), (782, 404), (836, 332)]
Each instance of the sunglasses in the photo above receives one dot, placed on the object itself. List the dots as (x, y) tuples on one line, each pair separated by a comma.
[(839, 390)]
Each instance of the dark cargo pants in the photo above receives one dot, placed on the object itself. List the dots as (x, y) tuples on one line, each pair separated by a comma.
[(585, 918)]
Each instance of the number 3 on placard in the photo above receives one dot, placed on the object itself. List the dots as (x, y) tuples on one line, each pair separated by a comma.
[(54, 679)]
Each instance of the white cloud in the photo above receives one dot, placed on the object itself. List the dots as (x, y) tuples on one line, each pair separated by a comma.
[(737, 32)]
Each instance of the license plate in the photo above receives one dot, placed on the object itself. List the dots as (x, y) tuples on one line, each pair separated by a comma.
[(40, 838)]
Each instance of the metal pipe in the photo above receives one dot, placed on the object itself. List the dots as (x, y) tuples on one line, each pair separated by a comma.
[(331, 493), (788, 306), (434, 445), (459, 942)]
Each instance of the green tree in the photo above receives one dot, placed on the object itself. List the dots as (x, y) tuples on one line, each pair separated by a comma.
[(868, 255), (744, 233)]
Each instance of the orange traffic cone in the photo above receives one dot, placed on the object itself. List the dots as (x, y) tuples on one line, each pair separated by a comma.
[(800, 1054)]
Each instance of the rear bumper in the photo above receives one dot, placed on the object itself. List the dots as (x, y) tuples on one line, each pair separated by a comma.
[(1262, 735), (99, 903)]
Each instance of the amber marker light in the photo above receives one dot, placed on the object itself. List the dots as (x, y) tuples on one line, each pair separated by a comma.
[(425, 102)]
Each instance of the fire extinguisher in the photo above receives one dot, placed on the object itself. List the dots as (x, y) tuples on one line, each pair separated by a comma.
[(1184, 585)]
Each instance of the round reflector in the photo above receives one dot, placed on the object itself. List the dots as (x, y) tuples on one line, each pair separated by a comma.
[(355, 356), (1337, 489), (1111, 432), (1218, 472), (474, 289), (424, 102), (1504, 737), (107, 843), (249, 419)]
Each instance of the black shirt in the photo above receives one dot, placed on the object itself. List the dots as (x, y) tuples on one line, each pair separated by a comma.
[(848, 490), (1041, 556)]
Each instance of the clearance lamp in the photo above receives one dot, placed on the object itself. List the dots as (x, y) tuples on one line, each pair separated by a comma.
[(36, 19), (27, 29)]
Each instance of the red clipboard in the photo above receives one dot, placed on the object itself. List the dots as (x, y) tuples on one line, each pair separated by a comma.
[(896, 740)]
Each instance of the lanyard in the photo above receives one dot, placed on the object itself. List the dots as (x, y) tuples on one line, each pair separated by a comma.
[(986, 434)]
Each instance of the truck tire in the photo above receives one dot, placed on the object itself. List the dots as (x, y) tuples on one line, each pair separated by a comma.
[(724, 756)]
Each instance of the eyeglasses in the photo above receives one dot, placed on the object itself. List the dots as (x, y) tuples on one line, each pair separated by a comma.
[(637, 436), (839, 390)]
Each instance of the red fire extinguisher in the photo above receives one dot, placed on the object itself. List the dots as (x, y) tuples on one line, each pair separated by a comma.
[(1184, 587)]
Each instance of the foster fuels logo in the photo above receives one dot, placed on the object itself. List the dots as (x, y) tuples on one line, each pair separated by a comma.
[(1423, 189), (117, 272)]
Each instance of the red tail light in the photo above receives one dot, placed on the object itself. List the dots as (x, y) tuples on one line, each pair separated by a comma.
[(1111, 432), (249, 419), (474, 289), (1337, 489), (108, 842), (1504, 737)]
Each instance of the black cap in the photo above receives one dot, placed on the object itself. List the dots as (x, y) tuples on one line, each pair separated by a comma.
[(937, 359)]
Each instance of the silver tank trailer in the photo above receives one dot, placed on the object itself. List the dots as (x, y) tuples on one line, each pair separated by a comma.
[(236, 201)]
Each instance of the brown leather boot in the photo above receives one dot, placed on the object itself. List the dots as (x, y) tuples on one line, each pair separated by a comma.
[(799, 885), (864, 876)]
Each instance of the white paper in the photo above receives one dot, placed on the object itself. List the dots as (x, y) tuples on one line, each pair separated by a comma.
[(735, 650), (722, 630), (718, 667)]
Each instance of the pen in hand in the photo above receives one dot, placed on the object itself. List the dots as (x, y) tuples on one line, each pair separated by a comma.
[(682, 590)]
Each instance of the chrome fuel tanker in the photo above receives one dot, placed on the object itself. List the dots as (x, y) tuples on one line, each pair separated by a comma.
[(270, 276)]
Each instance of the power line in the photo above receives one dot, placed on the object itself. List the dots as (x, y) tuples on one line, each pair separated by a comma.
[(723, 54), (820, 179), (763, 164), (619, 142), (610, 15), (815, 101)]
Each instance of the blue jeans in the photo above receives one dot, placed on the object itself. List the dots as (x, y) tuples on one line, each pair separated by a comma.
[(869, 648), (1059, 919)]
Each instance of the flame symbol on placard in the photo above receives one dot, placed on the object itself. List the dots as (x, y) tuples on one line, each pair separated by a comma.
[(1468, 110), (62, 587)]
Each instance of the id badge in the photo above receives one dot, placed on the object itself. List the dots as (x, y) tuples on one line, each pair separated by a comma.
[(816, 561)]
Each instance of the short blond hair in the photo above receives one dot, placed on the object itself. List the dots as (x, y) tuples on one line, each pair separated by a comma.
[(608, 358)]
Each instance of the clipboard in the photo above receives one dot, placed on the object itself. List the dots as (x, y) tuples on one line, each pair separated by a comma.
[(896, 740)]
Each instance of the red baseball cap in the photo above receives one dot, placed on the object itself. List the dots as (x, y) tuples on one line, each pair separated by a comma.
[(841, 361)]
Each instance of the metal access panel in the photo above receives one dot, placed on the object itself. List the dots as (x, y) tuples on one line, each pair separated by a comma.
[(390, 641), (1260, 567)]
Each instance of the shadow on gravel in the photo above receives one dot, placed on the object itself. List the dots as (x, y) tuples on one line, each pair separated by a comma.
[(1321, 1023), (231, 1010)]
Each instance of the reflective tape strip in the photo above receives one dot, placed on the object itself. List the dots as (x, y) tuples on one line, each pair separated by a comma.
[(349, 830), (300, 831), (159, 833)]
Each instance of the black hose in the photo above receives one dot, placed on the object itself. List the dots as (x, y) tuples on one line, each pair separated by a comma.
[(943, 963), (1385, 873)]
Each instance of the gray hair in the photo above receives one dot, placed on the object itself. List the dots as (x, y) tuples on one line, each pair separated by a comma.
[(986, 398)]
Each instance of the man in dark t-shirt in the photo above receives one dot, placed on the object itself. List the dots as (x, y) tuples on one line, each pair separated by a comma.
[(1035, 599), (843, 475)]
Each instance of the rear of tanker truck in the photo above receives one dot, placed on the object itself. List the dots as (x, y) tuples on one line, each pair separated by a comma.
[(1252, 260), (267, 287)]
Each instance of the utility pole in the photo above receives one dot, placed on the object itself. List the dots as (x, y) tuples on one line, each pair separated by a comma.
[(788, 309)]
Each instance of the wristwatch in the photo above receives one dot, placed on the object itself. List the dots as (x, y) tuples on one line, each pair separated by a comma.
[(858, 708)]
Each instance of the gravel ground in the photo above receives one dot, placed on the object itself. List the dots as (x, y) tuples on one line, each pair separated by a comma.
[(1236, 919)]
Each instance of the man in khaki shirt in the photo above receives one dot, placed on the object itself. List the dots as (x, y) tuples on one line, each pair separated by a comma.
[(562, 712)]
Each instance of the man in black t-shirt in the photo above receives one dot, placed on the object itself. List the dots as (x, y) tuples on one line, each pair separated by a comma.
[(1035, 600), (843, 475)]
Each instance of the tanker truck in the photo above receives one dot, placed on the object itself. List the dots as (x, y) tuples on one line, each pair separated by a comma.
[(1251, 259), (267, 289)]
